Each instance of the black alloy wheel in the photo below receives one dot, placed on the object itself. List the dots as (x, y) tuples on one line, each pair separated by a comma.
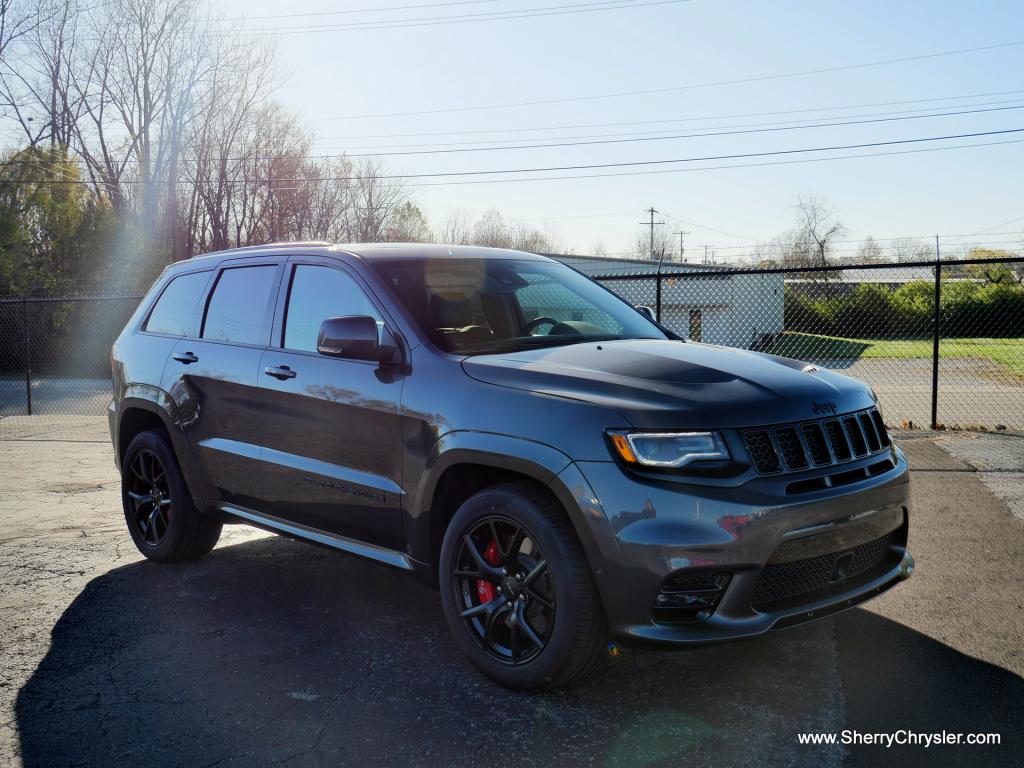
[(504, 589), (517, 591), (158, 507), (149, 494)]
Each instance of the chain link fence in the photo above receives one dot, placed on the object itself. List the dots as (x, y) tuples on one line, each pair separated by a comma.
[(957, 363), (941, 343), (55, 364)]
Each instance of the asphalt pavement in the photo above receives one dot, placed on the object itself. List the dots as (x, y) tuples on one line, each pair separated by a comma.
[(269, 651)]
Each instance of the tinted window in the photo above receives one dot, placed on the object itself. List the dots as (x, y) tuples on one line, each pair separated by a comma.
[(177, 305), (238, 307), (319, 293)]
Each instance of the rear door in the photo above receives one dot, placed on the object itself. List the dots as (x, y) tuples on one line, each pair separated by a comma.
[(331, 431), (214, 378)]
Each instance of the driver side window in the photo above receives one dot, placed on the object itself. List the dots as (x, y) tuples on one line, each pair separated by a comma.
[(316, 294)]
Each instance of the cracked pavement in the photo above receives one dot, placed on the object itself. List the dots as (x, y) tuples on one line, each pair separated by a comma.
[(269, 651)]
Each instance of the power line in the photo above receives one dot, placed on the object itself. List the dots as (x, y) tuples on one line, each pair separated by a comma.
[(706, 158), (658, 133), (345, 11), (1000, 224), (693, 86), (430, 21), (681, 135), (400, 177), (290, 156), (733, 166), (710, 229), (685, 119)]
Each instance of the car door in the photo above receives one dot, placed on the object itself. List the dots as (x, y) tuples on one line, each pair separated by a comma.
[(214, 379), (332, 457)]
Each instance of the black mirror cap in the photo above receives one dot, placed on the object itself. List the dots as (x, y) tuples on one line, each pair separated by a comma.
[(355, 337), (646, 312)]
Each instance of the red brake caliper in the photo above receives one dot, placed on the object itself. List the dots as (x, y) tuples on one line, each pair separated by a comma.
[(484, 589)]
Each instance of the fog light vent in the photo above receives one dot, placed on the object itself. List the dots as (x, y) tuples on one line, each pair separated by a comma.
[(688, 596)]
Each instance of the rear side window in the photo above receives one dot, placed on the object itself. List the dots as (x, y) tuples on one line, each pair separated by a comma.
[(319, 293), (237, 311), (176, 308)]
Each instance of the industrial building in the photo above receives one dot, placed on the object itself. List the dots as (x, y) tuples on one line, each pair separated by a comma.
[(702, 302)]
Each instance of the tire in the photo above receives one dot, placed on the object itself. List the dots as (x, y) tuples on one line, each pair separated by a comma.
[(167, 528), (573, 632)]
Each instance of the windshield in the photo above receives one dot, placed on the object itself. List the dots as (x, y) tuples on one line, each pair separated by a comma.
[(473, 306)]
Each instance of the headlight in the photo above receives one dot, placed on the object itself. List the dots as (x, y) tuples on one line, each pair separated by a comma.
[(667, 449)]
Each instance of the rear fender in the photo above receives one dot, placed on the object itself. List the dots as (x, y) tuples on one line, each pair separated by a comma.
[(154, 400)]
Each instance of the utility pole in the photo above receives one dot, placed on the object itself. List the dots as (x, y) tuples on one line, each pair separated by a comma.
[(651, 224), (936, 330), (682, 250)]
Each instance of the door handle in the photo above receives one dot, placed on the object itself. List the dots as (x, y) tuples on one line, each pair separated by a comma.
[(185, 357), (281, 372)]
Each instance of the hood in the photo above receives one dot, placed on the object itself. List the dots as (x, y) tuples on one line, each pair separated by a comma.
[(665, 384)]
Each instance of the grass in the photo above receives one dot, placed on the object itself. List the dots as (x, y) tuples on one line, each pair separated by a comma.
[(1008, 353)]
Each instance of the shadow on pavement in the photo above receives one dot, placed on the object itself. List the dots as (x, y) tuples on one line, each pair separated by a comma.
[(273, 651)]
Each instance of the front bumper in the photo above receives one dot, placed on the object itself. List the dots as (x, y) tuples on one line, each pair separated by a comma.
[(645, 530)]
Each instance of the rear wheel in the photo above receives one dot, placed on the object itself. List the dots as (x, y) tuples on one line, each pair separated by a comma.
[(517, 591), (158, 508)]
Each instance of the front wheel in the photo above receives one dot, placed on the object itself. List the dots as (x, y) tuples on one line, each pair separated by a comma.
[(517, 591)]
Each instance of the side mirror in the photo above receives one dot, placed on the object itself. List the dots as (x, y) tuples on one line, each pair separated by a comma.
[(355, 337), (646, 312)]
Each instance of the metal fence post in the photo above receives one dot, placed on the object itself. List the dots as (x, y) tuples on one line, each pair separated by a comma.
[(28, 354), (936, 316), (657, 296)]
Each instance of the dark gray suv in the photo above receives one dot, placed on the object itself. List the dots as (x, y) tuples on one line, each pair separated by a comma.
[(564, 468)]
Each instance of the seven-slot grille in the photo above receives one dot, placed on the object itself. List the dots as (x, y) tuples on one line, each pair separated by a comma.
[(818, 443)]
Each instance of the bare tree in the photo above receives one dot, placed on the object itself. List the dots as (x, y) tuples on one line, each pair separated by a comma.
[(810, 242), (490, 230), (139, 82), (17, 22), (909, 249), (869, 251), (662, 243), (375, 200), (526, 238), (36, 49), (456, 228)]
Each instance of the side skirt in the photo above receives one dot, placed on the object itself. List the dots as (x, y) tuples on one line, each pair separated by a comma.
[(315, 536)]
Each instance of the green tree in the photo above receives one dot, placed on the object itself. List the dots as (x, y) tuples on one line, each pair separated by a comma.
[(995, 274), (49, 223), (408, 225)]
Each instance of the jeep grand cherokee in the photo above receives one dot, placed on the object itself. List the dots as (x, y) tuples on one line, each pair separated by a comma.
[(565, 469)]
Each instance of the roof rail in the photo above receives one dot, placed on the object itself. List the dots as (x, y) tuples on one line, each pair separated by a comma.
[(267, 246)]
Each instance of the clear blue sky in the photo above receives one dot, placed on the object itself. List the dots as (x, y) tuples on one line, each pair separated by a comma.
[(334, 76)]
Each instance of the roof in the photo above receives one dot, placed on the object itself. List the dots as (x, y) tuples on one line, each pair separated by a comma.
[(378, 251)]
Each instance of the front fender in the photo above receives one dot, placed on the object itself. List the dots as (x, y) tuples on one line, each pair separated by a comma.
[(538, 461)]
